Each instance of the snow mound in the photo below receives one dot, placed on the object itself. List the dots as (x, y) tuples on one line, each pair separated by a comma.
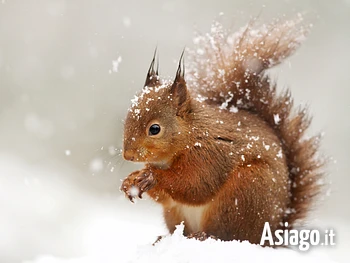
[(176, 248), (46, 218)]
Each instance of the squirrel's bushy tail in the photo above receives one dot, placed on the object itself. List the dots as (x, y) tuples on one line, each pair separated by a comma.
[(228, 70)]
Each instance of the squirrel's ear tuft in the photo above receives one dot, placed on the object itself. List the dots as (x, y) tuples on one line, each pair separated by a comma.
[(179, 88), (152, 78)]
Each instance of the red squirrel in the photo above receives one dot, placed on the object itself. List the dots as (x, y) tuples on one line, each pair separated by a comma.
[(224, 152)]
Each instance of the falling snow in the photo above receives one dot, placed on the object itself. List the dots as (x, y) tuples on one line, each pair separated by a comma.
[(96, 165), (126, 21), (115, 64), (111, 150), (134, 191)]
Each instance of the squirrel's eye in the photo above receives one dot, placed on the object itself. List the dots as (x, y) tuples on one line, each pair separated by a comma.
[(154, 129)]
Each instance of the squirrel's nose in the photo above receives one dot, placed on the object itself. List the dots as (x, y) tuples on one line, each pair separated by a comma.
[(128, 155)]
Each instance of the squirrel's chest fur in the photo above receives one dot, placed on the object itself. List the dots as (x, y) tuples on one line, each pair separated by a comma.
[(192, 216)]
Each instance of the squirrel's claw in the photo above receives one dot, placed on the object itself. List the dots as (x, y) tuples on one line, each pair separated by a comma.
[(145, 182), (131, 198)]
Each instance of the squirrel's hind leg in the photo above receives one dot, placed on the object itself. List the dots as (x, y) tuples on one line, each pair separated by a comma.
[(246, 202)]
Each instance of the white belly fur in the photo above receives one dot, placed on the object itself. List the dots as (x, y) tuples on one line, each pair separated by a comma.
[(192, 215)]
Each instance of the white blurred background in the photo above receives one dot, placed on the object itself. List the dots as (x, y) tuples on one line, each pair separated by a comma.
[(68, 70)]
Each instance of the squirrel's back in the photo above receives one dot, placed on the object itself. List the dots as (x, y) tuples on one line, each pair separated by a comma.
[(235, 79)]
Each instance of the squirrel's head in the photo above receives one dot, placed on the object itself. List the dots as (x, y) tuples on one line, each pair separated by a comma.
[(158, 121)]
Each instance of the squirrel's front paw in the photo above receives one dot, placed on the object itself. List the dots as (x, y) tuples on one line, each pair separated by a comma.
[(137, 183)]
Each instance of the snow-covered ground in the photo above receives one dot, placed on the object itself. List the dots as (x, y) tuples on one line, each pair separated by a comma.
[(45, 218), (176, 248)]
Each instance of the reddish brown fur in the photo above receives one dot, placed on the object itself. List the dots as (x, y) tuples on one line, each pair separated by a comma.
[(235, 170)]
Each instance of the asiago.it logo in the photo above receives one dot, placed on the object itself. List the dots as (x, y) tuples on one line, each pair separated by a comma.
[(301, 238)]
